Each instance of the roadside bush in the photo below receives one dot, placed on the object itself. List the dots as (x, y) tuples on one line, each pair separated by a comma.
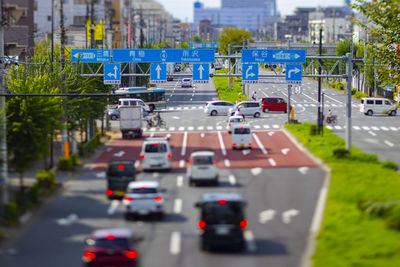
[(392, 220), (75, 160), (11, 214), (388, 164), (33, 193), (65, 164), (339, 85), (85, 149), (340, 153), (313, 130), (360, 94), (46, 179)]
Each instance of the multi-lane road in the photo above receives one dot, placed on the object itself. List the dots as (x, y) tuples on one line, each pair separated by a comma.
[(279, 181)]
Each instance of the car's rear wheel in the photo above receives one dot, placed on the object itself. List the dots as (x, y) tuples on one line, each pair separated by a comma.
[(214, 113), (392, 113), (370, 112), (257, 115), (113, 117), (266, 110)]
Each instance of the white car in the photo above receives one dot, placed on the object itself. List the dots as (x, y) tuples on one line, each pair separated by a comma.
[(218, 107), (143, 198), (124, 102), (156, 154), (202, 168), (234, 121), (186, 82), (247, 108), (241, 137)]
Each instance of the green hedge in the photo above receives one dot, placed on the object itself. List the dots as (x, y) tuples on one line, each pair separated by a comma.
[(46, 179), (350, 236), (85, 149), (225, 92), (11, 215)]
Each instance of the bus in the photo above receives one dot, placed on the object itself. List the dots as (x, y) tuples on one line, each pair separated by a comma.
[(153, 97)]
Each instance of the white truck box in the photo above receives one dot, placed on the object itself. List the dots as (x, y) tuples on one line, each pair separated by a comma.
[(131, 121)]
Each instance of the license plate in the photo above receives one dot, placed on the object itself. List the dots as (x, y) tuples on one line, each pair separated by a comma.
[(120, 193), (143, 212), (222, 230), (241, 145)]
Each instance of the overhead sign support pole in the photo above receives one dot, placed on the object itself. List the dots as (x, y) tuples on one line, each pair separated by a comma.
[(349, 69)]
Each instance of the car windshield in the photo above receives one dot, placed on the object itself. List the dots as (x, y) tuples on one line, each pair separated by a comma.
[(106, 243), (121, 169), (236, 119), (215, 213), (202, 160), (242, 131), (143, 190), (156, 148)]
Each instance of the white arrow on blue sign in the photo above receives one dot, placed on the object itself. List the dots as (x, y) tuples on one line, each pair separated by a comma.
[(250, 73), (201, 73), (112, 73), (91, 55), (158, 73), (273, 55), (294, 72)]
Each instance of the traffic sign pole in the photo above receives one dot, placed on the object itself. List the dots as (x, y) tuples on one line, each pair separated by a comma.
[(288, 104)]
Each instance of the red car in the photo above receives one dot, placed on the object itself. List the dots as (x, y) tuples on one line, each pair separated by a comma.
[(111, 247), (273, 104)]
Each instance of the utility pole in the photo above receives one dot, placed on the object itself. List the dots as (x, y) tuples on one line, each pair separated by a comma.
[(349, 70), (320, 119), (3, 125), (92, 40), (229, 65), (52, 35)]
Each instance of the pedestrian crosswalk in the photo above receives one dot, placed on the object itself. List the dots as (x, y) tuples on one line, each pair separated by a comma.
[(259, 127)]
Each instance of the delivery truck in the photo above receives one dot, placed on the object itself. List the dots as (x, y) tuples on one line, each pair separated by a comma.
[(131, 121)]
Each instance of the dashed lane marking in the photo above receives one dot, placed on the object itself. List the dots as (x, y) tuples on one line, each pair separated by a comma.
[(389, 143), (264, 151), (272, 162), (221, 142), (175, 243), (232, 179), (178, 206), (179, 181), (227, 163)]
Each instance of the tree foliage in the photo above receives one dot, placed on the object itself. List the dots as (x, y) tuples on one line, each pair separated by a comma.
[(233, 37), (382, 25)]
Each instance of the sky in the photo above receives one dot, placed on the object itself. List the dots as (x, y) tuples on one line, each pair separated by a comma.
[(183, 9)]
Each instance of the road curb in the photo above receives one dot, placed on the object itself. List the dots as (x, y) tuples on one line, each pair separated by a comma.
[(316, 222)]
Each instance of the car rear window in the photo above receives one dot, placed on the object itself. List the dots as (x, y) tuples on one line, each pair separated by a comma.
[(147, 190), (237, 120), (156, 148), (106, 243), (121, 169), (215, 213), (242, 131), (202, 160)]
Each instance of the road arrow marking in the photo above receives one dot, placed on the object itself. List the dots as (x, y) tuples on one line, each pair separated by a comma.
[(101, 175), (295, 70), (271, 133), (201, 72), (119, 154), (266, 216), (285, 151), (113, 207), (158, 69), (68, 220), (303, 170), (256, 171), (287, 215)]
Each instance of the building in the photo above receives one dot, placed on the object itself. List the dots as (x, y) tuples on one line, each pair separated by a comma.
[(19, 29), (242, 14), (206, 30)]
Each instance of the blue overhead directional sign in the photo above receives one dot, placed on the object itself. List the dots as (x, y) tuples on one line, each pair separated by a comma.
[(294, 72), (273, 56), (250, 73), (112, 73), (91, 55), (164, 55), (158, 73), (201, 73)]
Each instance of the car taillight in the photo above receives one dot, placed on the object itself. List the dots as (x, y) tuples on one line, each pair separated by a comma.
[(243, 224), (234, 144), (128, 198), (88, 256), (215, 162), (109, 192), (168, 156), (110, 237), (143, 156), (222, 201), (230, 124), (131, 254), (158, 199), (201, 224), (190, 163), (121, 167), (250, 144)]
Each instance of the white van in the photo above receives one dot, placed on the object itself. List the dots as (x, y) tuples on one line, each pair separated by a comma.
[(374, 105), (156, 154), (241, 137), (126, 102)]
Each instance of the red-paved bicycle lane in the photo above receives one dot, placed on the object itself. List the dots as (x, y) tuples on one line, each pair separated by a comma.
[(279, 148)]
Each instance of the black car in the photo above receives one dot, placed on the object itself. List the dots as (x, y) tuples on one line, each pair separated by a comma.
[(222, 221), (119, 174)]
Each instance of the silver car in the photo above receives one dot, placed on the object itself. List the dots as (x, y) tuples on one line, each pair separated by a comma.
[(247, 108), (202, 168), (218, 107)]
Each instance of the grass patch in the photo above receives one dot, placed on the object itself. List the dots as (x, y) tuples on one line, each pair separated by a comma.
[(226, 93), (349, 235)]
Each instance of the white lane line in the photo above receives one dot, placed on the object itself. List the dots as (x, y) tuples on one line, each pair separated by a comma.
[(221, 142), (264, 151), (190, 128), (287, 96), (372, 133), (178, 108), (275, 126), (113, 207), (209, 128), (333, 99), (310, 98), (175, 243), (384, 128), (375, 128), (393, 129), (219, 127), (265, 126), (181, 163), (227, 163), (356, 128), (181, 128), (172, 128), (194, 107), (338, 127), (137, 163), (191, 99), (366, 128), (186, 108), (257, 127), (179, 181), (184, 143), (178, 206), (329, 127), (272, 162), (200, 128), (389, 143), (251, 244), (232, 179)]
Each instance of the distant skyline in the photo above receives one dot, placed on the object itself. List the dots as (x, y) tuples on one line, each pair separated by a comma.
[(183, 9)]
